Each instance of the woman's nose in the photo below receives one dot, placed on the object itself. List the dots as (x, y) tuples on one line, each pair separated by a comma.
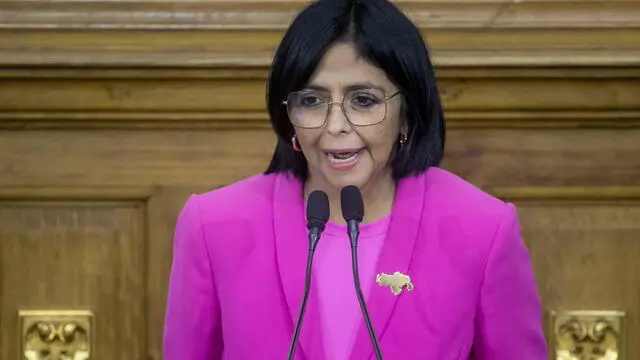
[(337, 121)]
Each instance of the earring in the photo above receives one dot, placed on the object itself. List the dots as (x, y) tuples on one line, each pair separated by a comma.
[(295, 143), (403, 139)]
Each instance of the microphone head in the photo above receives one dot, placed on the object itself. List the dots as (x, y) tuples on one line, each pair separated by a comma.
[(351, 202), (317, 210)]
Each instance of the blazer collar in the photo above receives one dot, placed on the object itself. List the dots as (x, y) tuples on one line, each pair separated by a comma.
[(396, 255), (292, 249)]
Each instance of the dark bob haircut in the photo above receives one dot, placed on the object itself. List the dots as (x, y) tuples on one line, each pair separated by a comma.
[(386, 38)]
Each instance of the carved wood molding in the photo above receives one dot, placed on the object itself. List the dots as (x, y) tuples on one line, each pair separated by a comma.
[(59, 334), (597, 194), (244, 33), (234, 99), (111, 63), (127, 193), (587, 334), (75, 193), (258, 120), (276, 14)]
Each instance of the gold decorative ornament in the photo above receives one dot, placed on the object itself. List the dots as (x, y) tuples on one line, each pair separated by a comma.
[(396, 282), (56, 335), (588, 335)]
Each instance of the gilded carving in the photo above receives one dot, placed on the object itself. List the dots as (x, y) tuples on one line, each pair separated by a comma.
[(588, 335), (56, 335)]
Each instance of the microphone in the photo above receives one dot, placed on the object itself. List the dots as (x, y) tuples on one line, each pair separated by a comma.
[(353, 213), (317, 217)]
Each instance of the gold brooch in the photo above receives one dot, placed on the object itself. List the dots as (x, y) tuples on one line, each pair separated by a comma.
[(395, 282)]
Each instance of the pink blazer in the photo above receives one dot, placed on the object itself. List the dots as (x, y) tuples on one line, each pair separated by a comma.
[(239, 262)]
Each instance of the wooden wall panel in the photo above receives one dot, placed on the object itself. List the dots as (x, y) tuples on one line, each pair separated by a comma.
[(71, 255), (112, 112), (525, 157), (592, 243), (516, 157), (231, 98), (244, 33), (141, 157)]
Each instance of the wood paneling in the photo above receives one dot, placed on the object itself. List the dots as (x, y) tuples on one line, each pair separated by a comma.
[(106, 249), (228, 98), (585, 254), (545, 157), (120, 158), (218, 94), (487, 157), (243, 32), (69, 255), (112, 112)]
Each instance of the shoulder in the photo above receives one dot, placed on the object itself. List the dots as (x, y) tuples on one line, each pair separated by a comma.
[(254, 188), (242, 198), (468, 215), (454, 195)]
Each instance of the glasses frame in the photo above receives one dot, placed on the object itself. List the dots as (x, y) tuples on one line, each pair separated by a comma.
[(341, 103)]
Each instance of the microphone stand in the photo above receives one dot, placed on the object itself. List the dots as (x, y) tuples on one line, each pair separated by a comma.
[(354, 232), (314, 236)]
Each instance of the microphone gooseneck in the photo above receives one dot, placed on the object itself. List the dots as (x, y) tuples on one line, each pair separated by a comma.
[(353, 213), (317, 217)]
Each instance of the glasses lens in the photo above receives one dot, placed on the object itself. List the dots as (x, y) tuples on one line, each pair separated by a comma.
[(365, 107), (307, 109)]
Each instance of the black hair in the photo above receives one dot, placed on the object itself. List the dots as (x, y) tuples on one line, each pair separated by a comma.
[(385, 37)]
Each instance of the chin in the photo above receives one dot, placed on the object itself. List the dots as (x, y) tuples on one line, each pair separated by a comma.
[(359, 175), (358, 179)]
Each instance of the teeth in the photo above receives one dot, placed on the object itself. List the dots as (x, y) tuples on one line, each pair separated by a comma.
[(337, 160), (343, 155)]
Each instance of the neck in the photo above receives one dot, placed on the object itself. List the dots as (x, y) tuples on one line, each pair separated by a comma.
[(377, 196)]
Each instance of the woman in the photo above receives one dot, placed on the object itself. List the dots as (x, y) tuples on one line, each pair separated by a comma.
[(353, 100)]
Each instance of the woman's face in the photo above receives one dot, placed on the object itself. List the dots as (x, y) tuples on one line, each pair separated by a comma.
[(340, 153)]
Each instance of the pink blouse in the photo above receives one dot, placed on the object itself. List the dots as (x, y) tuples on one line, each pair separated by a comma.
[(333, 277)]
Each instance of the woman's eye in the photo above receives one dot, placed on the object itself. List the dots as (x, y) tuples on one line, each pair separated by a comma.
[(310, 100), (364, 100)]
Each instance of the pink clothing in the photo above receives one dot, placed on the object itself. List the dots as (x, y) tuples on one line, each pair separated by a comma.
[(340, 314), (239, 261)]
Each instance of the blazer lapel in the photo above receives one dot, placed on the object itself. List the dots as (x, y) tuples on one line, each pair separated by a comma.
[(292, 249), (396, 255)]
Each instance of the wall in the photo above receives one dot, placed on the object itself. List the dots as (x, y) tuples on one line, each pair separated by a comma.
[(113, 111)]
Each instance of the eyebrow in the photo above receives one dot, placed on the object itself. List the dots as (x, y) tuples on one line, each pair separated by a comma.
[(353, 87)]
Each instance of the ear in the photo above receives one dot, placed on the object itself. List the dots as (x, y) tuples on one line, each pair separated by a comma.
[(404, 127)]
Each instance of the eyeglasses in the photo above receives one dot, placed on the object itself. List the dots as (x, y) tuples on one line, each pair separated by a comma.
[(309, 109)]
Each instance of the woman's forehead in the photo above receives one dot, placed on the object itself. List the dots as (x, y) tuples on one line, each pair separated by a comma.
[(342, 68)]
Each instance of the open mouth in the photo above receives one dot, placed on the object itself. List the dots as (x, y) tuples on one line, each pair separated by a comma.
[(340, 158)]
